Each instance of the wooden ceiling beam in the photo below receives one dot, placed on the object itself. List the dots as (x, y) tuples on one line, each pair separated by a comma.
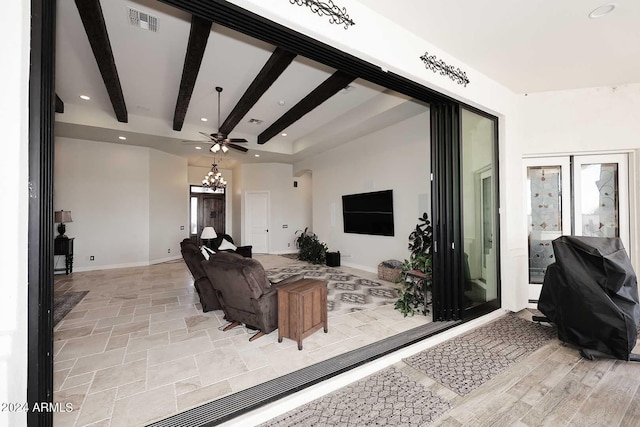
[(272, 69), (324, 91), (198, 37), (59, 105), (96, 29)]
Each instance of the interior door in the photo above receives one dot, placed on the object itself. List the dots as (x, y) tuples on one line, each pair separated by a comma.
[(257, 220), (573, 195)]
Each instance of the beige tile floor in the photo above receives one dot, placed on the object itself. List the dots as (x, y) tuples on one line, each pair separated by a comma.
[(138, 347)]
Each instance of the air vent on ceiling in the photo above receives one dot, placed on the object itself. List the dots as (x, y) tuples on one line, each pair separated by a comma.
[(256, 121), (143, 20)]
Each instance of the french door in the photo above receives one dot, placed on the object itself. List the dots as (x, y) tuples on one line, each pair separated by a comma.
[(573, 195)]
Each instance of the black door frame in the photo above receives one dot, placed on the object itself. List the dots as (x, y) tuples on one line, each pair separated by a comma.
[(40, 239), (41, 144)]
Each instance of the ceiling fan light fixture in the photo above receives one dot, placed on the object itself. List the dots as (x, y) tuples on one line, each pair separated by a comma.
[(215, 148), (225, 148)]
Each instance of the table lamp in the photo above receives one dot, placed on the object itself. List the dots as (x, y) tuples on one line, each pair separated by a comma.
[(61, 217), (207, 234)]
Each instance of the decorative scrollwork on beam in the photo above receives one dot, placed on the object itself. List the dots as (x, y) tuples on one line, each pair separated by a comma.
[(336, 14), (438, 65)]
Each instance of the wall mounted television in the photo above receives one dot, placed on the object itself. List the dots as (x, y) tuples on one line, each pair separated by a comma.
[(368, 213)]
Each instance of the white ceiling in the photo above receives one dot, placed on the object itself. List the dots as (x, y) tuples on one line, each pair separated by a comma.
[(530, 45), (526, 45), (150, 67)]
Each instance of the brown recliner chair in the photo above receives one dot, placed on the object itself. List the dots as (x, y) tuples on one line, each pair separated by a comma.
[(193, 258), (245, 293)]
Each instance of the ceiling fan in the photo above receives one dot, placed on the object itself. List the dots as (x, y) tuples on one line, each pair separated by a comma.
[(219, 140)]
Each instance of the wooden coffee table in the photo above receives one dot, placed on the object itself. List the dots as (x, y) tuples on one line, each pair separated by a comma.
[(302, 309)]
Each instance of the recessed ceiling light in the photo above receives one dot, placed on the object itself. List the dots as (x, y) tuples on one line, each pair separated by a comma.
[(204, 119), (85, 97), (256, 121), (124, 138), (284, 134), (281, 103), (602, 11), (198, 148), (256, 155)]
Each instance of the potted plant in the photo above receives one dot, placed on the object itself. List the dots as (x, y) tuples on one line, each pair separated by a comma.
[(412, 294), (310, 248)]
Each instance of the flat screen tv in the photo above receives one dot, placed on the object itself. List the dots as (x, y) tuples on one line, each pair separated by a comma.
[(368, 213)]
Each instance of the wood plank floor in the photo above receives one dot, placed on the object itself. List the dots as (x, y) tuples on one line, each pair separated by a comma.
[(554, 386)]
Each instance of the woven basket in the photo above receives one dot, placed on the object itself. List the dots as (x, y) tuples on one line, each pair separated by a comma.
[(389, 274)]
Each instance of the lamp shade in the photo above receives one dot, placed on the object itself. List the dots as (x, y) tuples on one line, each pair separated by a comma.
[(208, 233), (62, 216)]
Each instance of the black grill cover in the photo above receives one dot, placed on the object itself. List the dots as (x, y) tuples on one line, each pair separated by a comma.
[(591, 294)]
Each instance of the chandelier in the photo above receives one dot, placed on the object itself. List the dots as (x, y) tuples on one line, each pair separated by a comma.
[(214, 178)]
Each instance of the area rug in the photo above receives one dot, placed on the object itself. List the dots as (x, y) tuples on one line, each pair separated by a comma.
[(346, 293), (64, 303), (466, 362), (388, 397)]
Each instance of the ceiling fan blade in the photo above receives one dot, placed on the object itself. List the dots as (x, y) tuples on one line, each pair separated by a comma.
[(238, 147), (207, 135), (237, 140)]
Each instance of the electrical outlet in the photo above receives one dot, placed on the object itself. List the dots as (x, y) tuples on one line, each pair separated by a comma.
[(182, 227), (92, 258), (168, 251)]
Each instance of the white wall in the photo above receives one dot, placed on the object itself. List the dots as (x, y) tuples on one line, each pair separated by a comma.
[(168, 205), (277, 178), (581, 120), (122, 213), (195, 176), (395, 158), (14, 167), (303, 203)]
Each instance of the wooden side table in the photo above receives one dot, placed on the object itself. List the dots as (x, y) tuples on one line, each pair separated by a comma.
[(64, 246), (302, 309)]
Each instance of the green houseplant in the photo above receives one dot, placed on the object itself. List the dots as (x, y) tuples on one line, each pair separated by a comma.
[(310, 248), (412, 294)]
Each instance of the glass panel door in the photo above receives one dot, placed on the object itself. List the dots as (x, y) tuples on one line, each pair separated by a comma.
[(602, 196), (548, 207), (479, 211)]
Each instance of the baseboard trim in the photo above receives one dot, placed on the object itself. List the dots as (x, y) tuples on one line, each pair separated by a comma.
[(359, 267), (167, 259), (111, 266)]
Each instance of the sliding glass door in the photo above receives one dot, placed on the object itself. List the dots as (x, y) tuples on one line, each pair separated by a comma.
[(479, 210)]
